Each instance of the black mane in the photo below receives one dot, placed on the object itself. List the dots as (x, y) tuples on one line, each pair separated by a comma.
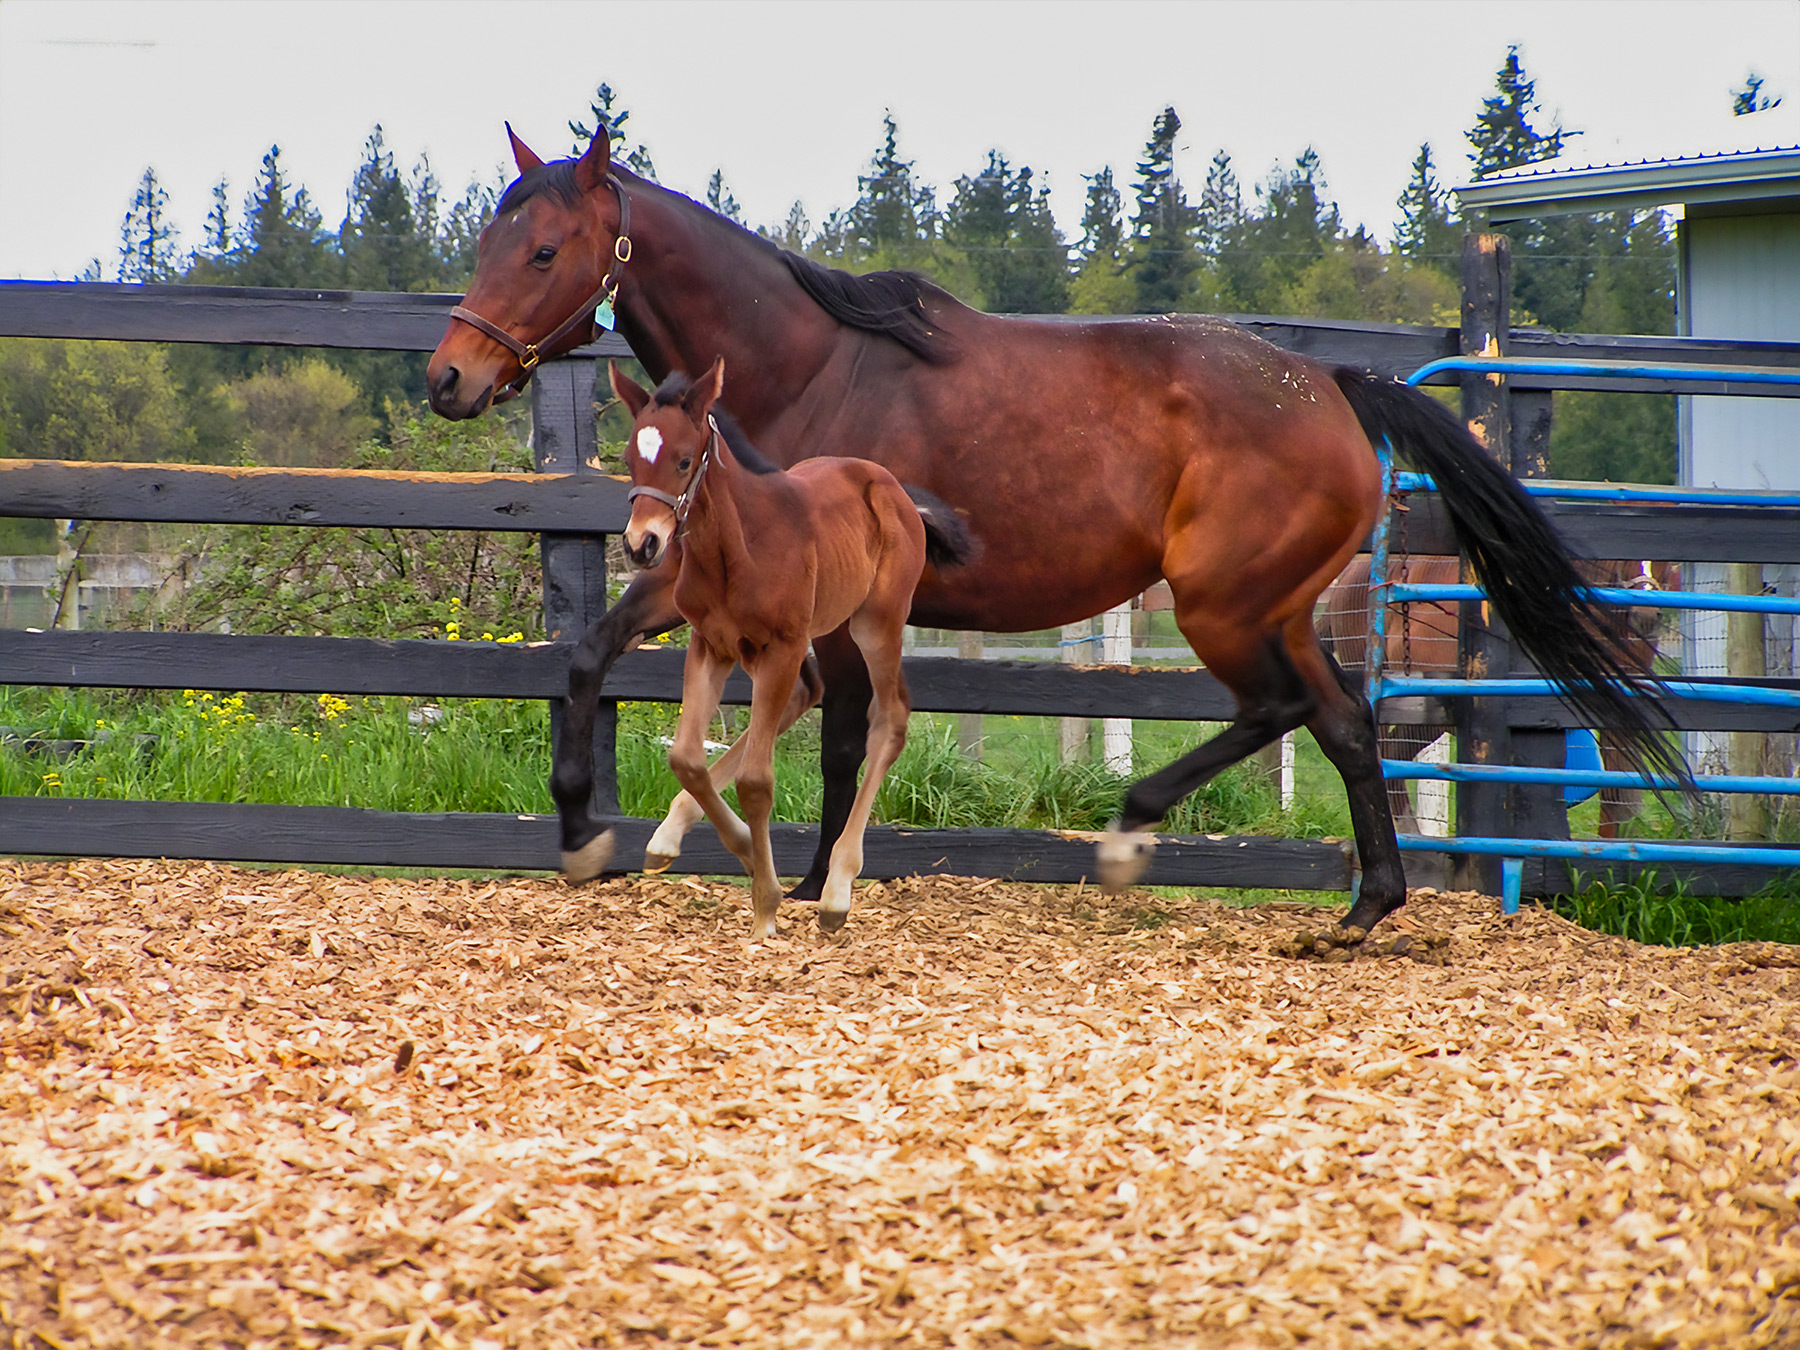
[(889, 303), (674, 388)]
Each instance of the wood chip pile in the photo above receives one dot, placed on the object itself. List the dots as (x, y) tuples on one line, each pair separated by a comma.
[(290, 1109)]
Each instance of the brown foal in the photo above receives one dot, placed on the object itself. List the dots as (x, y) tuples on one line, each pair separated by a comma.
[(828, 552)]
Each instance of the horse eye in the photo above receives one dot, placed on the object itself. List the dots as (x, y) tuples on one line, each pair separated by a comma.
[(684, 465), (543, 256)]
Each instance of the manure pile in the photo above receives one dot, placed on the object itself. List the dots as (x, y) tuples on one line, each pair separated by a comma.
[(289, 1109)]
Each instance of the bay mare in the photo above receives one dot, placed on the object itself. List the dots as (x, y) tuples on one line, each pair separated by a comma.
[(1089, 457)]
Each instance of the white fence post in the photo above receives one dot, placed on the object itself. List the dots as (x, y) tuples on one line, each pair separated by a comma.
[(1076, 639), (1115, 649)]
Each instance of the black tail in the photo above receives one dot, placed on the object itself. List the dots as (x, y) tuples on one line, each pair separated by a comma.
[(1525, 568), (948, 542)]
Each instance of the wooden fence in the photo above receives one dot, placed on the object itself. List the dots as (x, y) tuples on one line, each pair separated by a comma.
[(572, 507)]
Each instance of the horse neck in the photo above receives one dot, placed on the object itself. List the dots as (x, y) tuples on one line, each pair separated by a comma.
[(715, 541), (698, 287)]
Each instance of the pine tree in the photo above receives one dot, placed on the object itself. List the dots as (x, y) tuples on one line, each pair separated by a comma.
[(1002, 223), (1428, 232), (147, 243), (893, 216), (1163, 257), (381, 244), (637, 159), (282, 244), (461, 231), (1221, 207), (719, 198), (1263, 256), (218, 221), (793, 233), (1503, 137), (1102, 225), (1751, 99)]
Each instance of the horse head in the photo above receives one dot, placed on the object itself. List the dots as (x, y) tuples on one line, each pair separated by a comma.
[(552, 253), (672, 441)]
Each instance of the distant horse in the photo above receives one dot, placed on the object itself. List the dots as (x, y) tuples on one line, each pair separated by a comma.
[(1421, 640), (1090, 457), (827, 553)]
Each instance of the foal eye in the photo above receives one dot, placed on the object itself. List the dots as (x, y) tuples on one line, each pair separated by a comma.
[(543, 256)]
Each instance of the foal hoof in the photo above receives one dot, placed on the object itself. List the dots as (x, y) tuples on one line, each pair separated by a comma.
[(830, 920), (589, 861), (1121, 857), (657, 862)]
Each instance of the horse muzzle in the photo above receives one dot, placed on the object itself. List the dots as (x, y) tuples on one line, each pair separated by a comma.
[(647, 549), (454, 396)]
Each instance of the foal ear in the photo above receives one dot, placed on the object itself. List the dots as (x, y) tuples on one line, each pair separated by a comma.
[(627, 390), (522, 155), (704, 392), (596, 162)]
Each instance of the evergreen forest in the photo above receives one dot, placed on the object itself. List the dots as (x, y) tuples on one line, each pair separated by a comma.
[(1148, 242)]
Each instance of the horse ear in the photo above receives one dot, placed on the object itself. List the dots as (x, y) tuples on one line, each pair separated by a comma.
[(595, 163), (522, 155), (626, 389), (704, 392)]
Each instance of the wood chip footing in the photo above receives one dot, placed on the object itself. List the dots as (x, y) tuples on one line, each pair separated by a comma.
[(243, 1108)]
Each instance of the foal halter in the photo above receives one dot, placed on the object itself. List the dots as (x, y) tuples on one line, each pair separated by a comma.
[(530, 353), (685, 502)]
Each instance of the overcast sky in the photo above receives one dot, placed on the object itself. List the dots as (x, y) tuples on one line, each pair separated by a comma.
[(787, 96)]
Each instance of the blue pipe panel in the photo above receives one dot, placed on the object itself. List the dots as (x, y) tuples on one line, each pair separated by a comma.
[(1402, 591), (1598, 778)]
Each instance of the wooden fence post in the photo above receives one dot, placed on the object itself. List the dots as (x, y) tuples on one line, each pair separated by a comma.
[(564, 440)]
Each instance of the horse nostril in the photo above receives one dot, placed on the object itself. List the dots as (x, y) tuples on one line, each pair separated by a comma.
[(447, 381)]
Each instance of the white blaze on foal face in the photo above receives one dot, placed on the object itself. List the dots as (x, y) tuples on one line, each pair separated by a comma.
[(649, 442)]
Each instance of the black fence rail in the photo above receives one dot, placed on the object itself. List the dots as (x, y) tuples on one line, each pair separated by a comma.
[(572, 507)]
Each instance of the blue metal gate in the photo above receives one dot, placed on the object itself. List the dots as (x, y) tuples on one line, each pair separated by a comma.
[(1383, 592)]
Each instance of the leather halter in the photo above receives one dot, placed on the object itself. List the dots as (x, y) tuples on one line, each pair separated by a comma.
[(685, 502), (530, 353)]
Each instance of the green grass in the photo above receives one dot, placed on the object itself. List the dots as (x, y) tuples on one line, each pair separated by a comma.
[(494, 755), (1648, 911)]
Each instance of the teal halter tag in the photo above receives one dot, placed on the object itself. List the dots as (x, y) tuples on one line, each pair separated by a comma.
[(603, 314)]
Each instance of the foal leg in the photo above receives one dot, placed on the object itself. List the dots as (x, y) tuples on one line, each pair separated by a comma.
[(843, 740), (702, 680), (646, 608), (880, 642), (684, 812), (771, 680), (1272, 700)]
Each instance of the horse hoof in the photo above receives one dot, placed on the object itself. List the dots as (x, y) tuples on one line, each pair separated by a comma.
[(657, 862), (1122, 857), (589, 861), (830, 920), (1366, 913)]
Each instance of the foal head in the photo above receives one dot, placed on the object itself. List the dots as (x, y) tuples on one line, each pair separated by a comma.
[(673, 438)]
